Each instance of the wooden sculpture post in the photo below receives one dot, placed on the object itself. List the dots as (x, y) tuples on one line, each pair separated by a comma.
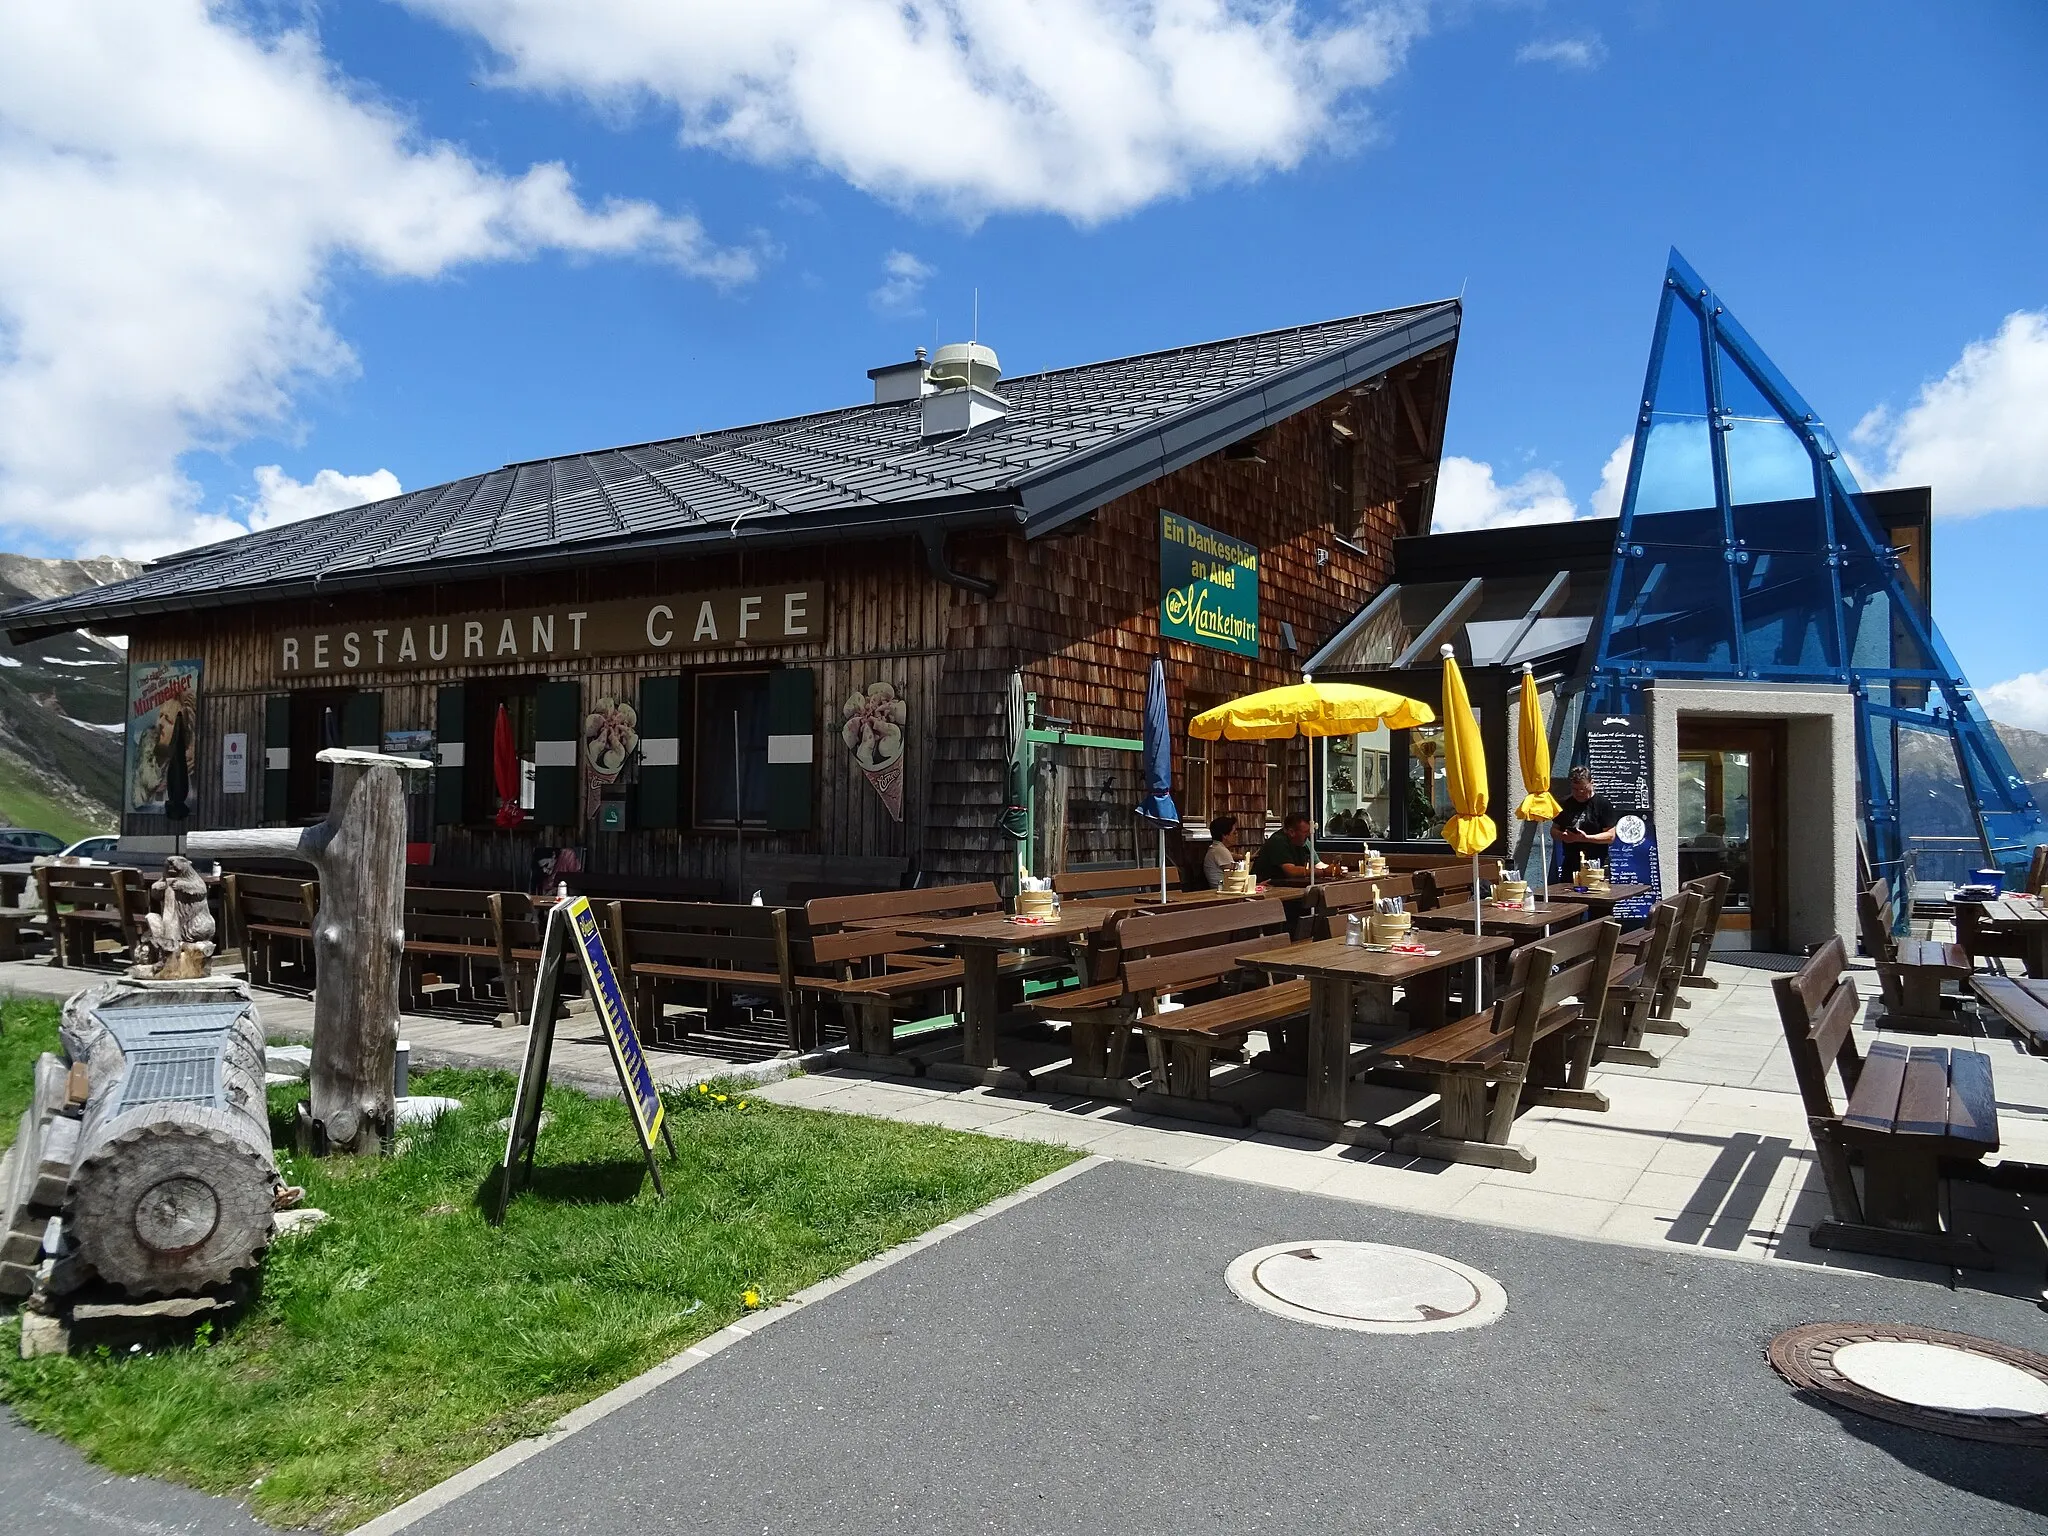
[(358, 941)]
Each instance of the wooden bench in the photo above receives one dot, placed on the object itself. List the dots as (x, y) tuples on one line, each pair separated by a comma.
[(1443, 886), (1192, 951), (1128, 880), (1910, 972), (19, 928), (1534, 1045), (2021, 1002), (94, 913), (710, 952), (1910, 1110), (271, 920), (851, 951), (1983, 939), (1713, 892), (1642, 973), (1325, 907), (449, 937)]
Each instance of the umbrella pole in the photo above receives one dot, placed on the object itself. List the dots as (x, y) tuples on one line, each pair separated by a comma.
[(1162, 863), (1478, 932)]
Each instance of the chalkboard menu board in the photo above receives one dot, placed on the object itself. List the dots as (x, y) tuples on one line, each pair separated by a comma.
[(1618, 753)]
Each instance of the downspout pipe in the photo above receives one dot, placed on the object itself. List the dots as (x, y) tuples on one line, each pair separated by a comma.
[(934, 541)]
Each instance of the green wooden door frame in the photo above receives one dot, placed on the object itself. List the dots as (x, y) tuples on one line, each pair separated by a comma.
[(1036, 736)]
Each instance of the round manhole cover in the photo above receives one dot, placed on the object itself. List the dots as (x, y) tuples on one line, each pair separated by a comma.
[(1368, 1287), (1950, 1383)]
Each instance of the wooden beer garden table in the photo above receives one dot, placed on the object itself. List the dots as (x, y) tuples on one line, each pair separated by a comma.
[(1336, 971), (1176, 901), (2027, 921), (1599, 903), (1519, 923), (981, 941)]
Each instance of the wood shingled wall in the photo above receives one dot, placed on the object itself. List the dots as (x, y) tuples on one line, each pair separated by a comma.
[(1078, 610)]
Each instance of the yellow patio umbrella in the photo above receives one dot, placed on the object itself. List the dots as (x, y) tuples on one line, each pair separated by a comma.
[(1309, 709), (1469, 828), (1539, 805)]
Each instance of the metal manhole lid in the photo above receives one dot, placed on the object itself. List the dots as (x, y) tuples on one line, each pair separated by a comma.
[(1366, 1287), (1950, 1383)]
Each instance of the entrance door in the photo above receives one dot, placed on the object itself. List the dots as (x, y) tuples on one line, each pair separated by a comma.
[(1731, 820)]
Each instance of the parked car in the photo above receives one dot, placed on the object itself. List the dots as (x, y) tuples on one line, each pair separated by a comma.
[(92, 850), (18, 845)]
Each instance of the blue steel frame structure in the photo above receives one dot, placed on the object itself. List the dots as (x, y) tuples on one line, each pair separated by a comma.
[(1798, 587)]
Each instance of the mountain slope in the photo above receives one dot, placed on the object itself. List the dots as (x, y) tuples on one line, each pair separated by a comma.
[(61, 703)]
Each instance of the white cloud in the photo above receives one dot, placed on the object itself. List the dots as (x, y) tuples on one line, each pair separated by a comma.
[(1084, 108), (2021, 700), (281, 499), (902, 285), (175, 193), (1613, 480), (1467, 496), (1976, 433), (1587, 52)]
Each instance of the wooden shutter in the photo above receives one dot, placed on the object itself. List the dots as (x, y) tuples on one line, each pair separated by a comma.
[(277, 757), (792, 747), (449, 722), (658, 799), (362, 721), (557, 747)]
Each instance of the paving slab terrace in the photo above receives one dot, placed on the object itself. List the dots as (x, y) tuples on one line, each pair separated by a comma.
[(1707, 1151)]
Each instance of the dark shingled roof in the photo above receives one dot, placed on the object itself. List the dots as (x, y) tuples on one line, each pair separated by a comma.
[(1074, 439)]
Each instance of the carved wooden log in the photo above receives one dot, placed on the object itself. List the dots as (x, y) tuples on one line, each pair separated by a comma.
[(358, 940), (173, 1186)]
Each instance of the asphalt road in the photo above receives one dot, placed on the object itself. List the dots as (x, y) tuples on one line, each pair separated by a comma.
[(48, 1489), (1077, 1365)]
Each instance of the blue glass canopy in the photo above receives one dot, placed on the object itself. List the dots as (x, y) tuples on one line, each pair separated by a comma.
[(1746, 551)]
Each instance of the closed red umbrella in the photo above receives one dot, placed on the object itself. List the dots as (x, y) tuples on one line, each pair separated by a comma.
[(505, 771)]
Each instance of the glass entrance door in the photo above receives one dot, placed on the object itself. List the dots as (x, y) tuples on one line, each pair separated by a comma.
[(1729, 822)]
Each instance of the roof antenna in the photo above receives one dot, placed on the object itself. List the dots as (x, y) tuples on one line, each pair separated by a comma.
[(973, 343)]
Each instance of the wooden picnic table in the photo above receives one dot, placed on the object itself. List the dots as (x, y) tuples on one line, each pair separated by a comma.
[(980, 941), (1599, 903), (1522, 924), (2027, 921), (15, 879), (1336, 973), (1135, 901)]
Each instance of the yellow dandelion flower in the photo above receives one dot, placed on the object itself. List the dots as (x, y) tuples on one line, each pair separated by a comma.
[(719, 1096), (752, 1298), (702, 1089)]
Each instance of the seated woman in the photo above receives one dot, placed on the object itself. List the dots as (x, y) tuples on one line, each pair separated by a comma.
[(1220, 859)]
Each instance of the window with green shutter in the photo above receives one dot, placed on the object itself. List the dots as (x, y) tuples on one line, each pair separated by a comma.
[(557, 753), (451, 744), (657, 798), (791, 748), (277, 757)]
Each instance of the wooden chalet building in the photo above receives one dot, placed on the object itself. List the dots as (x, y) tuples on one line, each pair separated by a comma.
[(746, 592)]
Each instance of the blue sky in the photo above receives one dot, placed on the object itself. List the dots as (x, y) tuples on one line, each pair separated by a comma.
[(1862, 183)]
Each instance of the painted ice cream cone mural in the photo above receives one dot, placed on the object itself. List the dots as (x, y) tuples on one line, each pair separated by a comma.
[(873, 732), (610, 736)]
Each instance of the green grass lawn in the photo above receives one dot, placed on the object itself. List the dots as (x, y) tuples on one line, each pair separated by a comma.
[(406, 1338), (24, 805), (26, 1031)]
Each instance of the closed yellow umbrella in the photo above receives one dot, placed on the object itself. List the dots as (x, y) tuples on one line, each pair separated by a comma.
[(1309, 709), (1470, 828), (1539, 805)]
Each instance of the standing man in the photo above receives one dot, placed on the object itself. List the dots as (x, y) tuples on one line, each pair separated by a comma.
[(1285, 855), (1587, 819)]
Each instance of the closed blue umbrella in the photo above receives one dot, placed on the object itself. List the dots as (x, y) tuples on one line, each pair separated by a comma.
[(1157, 766)]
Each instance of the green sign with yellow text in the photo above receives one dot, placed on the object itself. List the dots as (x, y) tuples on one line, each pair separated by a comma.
[(1208, 586)]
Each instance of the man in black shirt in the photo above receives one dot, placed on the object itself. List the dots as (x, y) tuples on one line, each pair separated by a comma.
[(1284, 855), (1586, 820)]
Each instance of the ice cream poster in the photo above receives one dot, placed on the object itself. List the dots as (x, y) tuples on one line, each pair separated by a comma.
[(163, 715), (873, 719)]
